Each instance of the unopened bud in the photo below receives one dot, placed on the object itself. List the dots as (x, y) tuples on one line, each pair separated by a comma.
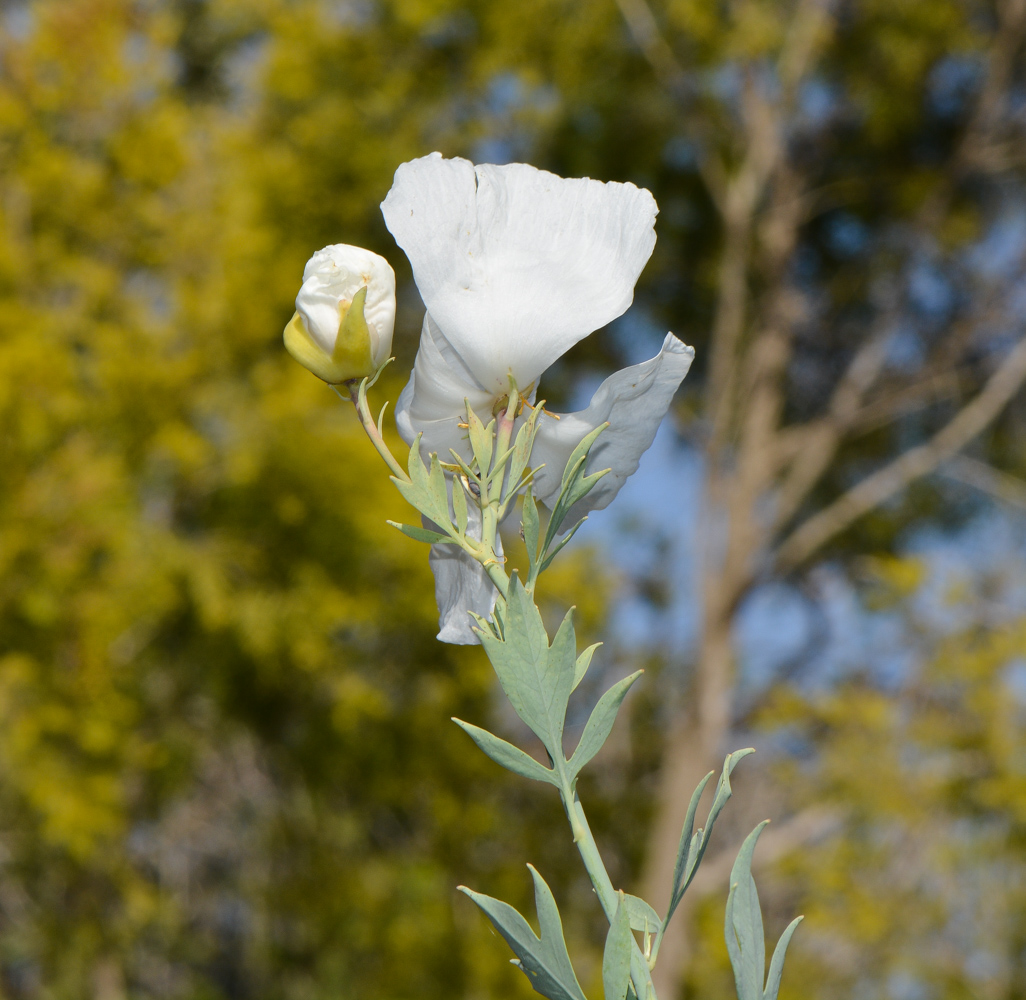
[(345, 313)]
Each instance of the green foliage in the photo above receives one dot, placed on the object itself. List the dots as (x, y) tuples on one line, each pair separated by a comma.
[(744, 933), (544, 960)]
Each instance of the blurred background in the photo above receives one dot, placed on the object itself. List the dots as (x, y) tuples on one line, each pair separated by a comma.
[(226, 765)]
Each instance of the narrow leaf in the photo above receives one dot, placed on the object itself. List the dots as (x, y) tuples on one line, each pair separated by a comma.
[(459, 505), (616, 959), (551, 551), (439, 489), (574, 462), (481, 440), (505, 754), (421, 534), (522, 448), (776, 969), (583, 662), (684, 847), (700, 841), (600, 724), (642, 916), (743, 929), (532, 526)]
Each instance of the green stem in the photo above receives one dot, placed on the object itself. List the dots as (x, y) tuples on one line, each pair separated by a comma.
[(489, 560), (358, 395), (641, 974)]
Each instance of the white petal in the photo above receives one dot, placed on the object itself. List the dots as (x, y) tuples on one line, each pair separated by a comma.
[(461, 586), (634, 401), (331, 278), (515, 264), (433, 400)]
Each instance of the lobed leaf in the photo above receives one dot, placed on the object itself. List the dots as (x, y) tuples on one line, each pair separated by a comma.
[(536, 680), (544, 960)]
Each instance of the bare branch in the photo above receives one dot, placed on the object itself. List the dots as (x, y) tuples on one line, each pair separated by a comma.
[(970, 421), (986, 479), (823, 437), (644, 29)]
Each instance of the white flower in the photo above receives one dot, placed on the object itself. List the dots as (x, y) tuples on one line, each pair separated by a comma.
[(516, 265), (345, 313)]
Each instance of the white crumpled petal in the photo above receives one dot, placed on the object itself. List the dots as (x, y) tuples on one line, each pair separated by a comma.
[(461, 586), (514, 264), (634, 401), (433, 400)]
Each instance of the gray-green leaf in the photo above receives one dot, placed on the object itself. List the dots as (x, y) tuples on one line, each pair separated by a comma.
[(600, 724), (616, 959), (544, 960), (746, 944), (692, 845), (642, 916), (508, 756), (582, 664), (421, 534), (536, 680)]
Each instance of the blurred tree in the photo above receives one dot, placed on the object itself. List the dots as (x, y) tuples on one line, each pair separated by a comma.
[(221, 773), (226, 766), (920, 891)]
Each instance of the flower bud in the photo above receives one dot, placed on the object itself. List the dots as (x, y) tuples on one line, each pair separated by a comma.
[(345, 313)]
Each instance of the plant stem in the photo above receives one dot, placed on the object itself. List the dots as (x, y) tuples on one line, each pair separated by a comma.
[(641, 975), (358, 395)]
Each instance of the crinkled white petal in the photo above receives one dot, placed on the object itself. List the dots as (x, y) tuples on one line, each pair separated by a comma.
[(515, 264), (461, 585), (634, 401), (433, 400), (331, 278)]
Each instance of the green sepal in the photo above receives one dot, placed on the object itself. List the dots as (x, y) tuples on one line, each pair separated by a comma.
[(422, 534), (507, 755), (600, 724), (351, 355), (616, 957), (543, 959)]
